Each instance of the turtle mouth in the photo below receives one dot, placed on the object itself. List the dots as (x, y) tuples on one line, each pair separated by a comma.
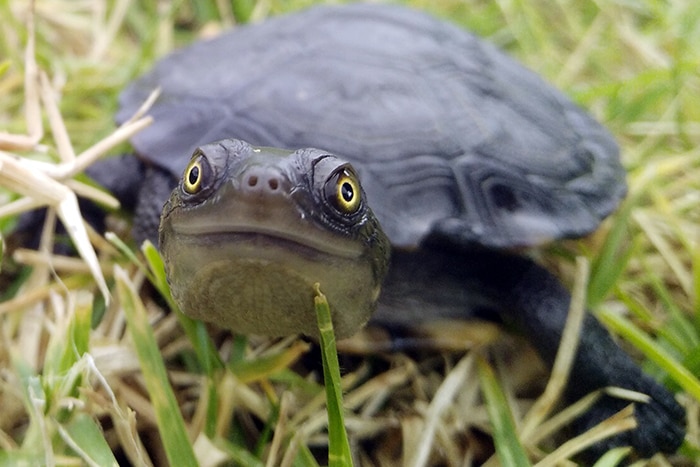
[(228, 235)]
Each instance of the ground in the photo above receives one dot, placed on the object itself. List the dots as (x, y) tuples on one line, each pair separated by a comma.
[(81, 381)]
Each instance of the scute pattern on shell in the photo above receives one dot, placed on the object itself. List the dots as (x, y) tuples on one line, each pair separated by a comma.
[(449, 135)]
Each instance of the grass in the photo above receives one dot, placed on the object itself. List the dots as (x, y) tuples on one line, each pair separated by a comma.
[(339, 453), (77, 363)]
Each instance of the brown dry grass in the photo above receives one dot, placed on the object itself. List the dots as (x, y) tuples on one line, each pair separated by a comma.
[(635, 66)]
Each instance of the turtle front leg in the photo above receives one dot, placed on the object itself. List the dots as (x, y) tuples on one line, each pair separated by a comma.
[(443, 282), (541, 304)]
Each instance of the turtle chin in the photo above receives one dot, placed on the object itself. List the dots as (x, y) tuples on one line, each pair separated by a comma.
[(249, 296), (258, 284)]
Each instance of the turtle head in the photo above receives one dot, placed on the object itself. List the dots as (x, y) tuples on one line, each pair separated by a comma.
[(248, 232)]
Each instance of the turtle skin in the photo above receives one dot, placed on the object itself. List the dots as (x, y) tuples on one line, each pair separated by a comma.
[(464, 155)]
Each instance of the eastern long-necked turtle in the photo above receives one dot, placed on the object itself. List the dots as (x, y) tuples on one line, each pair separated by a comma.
[(462, 154)]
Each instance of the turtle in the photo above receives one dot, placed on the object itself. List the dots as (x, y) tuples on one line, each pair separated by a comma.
[(461, 158)]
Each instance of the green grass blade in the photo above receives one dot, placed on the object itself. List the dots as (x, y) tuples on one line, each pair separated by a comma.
[(4, 66), (338, 445), (242, 9), (177, 445), (248, 371), (238, 454), (610, 263), (677, 327), (86, 437), (304, 458), (652, 350), (508, 448), (613, 457), (65, 349), (696, 287)]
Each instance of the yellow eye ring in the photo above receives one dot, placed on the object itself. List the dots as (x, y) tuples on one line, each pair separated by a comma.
[(348, 194), (193, 176), (343, 192)]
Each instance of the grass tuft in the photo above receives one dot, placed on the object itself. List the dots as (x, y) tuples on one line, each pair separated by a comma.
[(92, 382)]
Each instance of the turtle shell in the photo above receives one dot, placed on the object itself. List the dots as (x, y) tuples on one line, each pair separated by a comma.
[(450, 136)]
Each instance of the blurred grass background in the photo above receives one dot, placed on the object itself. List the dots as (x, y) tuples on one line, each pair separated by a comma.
[(72, 390)]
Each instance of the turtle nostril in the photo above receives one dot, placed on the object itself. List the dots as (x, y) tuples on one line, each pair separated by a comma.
[(263, 180)]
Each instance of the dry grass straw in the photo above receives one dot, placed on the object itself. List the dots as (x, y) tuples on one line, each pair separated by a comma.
[(47, 184), (641, 79)]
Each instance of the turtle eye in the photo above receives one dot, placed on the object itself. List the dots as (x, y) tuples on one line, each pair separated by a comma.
[(343, 191), (196, 173)]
